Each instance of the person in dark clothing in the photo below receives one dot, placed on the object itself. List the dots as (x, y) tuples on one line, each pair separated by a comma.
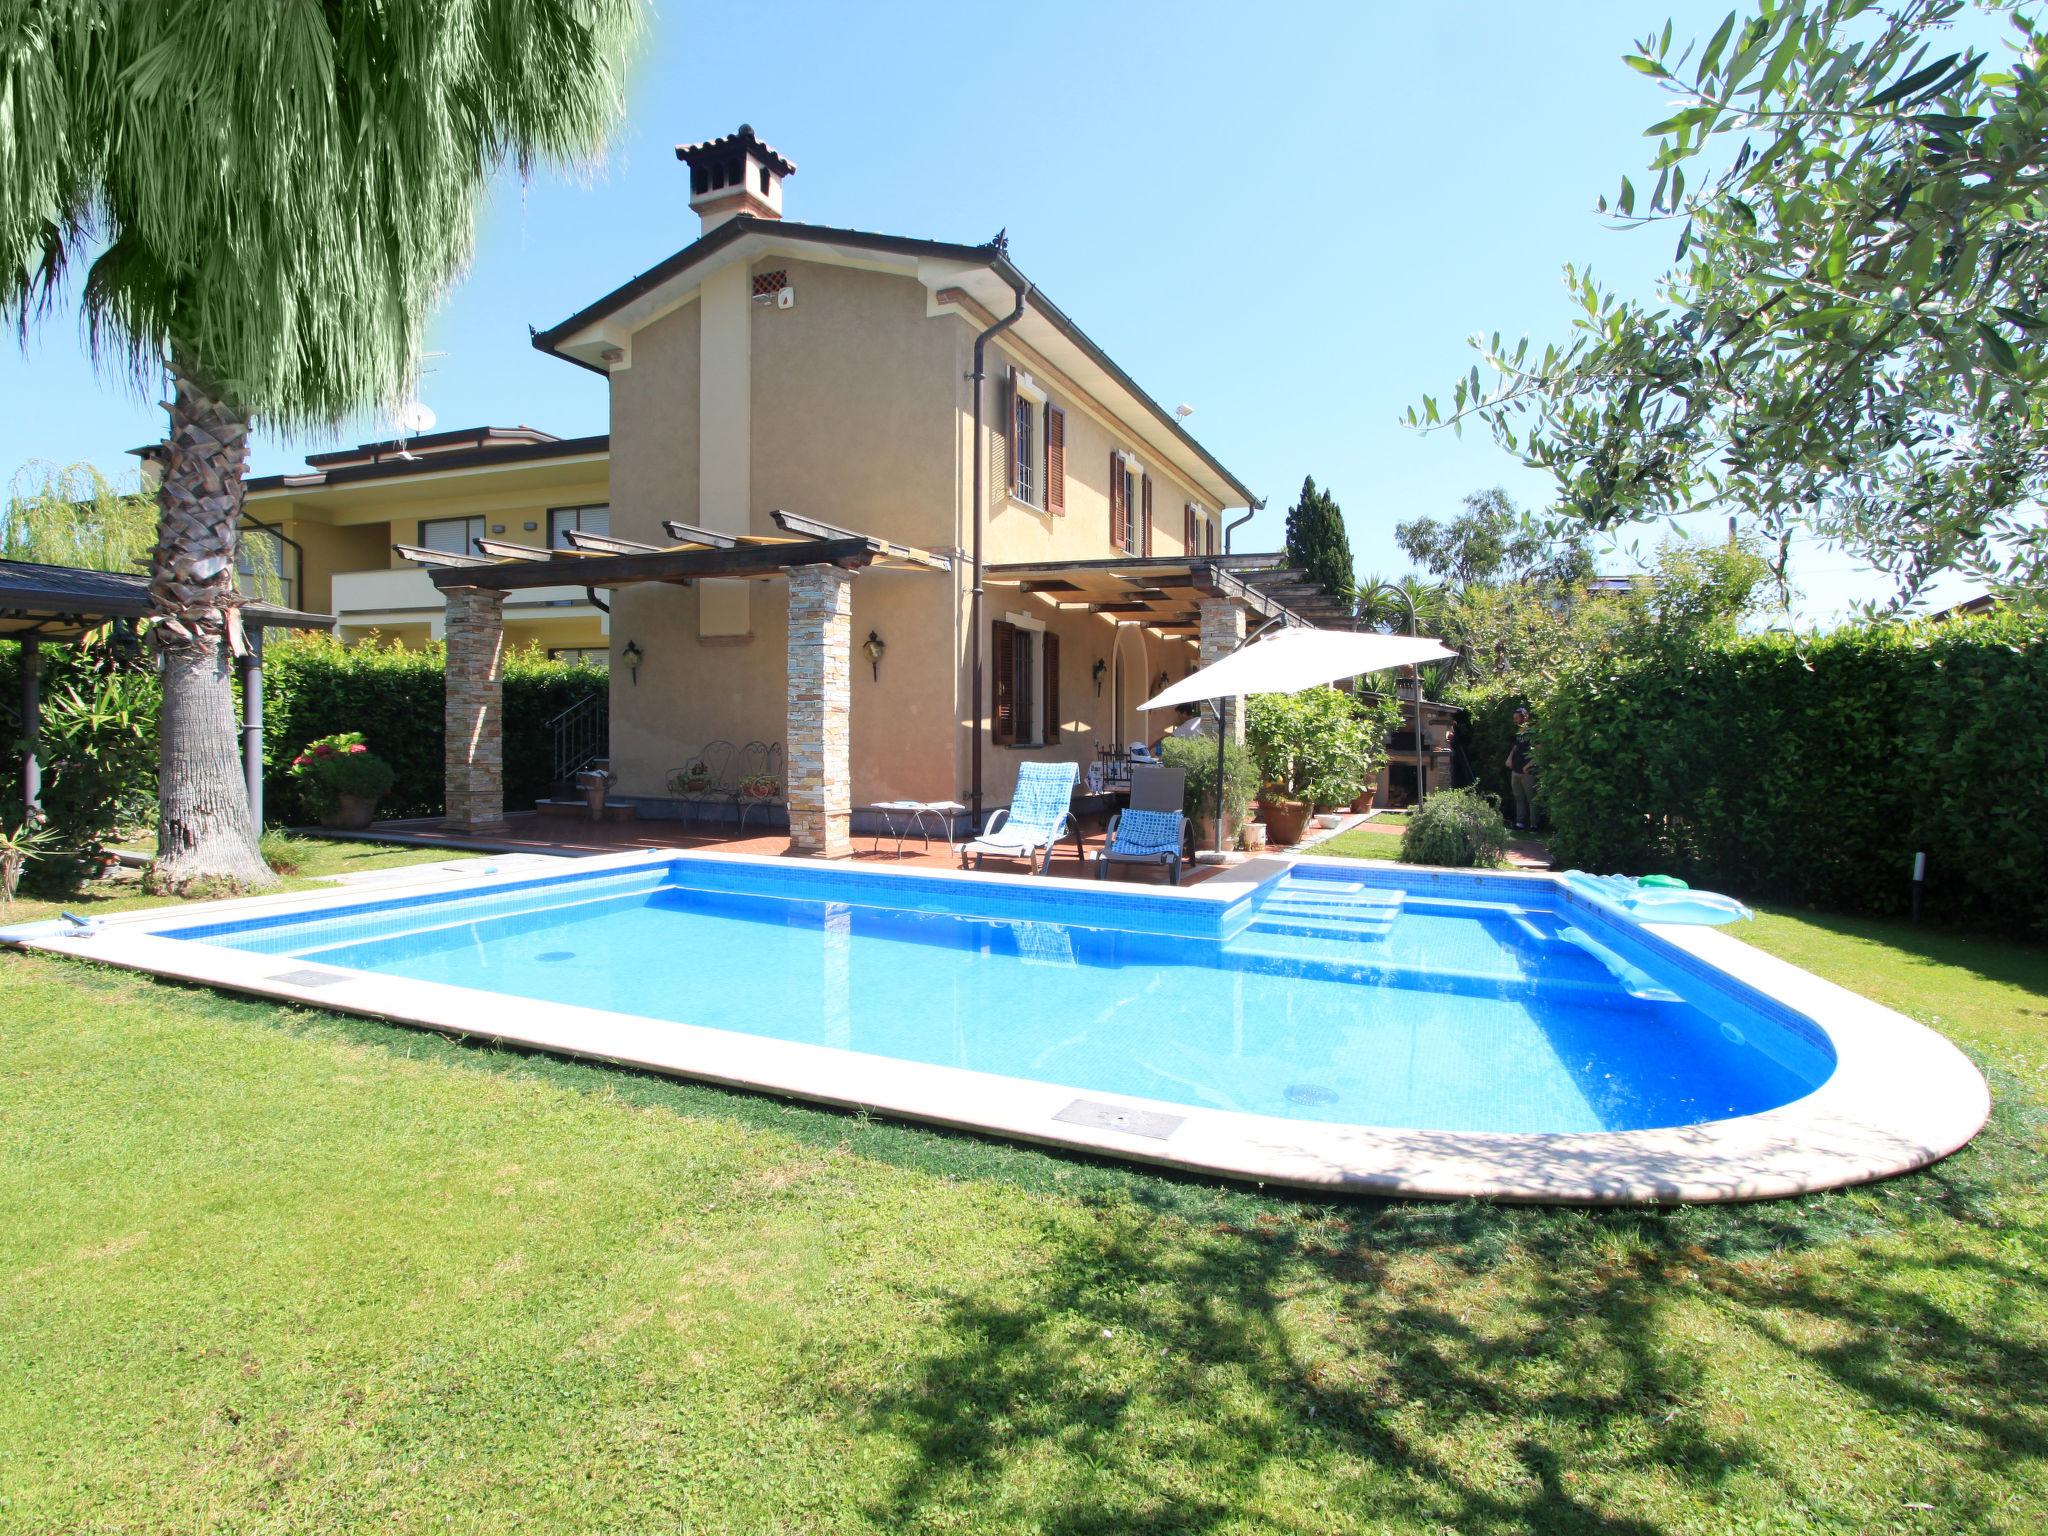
[(1522, 773)]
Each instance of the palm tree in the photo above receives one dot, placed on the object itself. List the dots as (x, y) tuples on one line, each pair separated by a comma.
[(267, 201)]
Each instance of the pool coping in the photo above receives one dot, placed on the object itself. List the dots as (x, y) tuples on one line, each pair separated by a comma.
[(1901, 1096)]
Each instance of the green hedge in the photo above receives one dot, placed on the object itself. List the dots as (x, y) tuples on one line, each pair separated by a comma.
[(1811, 769), (315, 687)]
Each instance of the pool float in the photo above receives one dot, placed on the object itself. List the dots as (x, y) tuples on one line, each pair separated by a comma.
[(1658, 898)]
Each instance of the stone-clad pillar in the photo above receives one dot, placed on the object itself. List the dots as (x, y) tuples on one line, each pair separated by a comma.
[(820, 711), (474, 783), (1222, 632)]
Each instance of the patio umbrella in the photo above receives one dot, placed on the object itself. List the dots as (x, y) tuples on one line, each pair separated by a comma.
[(1291, 659)]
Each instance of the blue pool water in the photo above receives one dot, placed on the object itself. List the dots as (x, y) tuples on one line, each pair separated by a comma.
[(1377, 997)]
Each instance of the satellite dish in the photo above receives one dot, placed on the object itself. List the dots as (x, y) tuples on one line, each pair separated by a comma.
[(415, 416)]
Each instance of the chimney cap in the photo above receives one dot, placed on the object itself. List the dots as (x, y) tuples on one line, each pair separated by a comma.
[(744, 139)]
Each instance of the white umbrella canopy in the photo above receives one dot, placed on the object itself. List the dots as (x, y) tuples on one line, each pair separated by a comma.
[(1289, 660)]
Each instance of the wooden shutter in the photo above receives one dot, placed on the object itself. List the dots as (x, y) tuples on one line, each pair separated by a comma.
[(1145, 548), (1191, 529), (1118, 512), (1055, 461), (1003, 704), (1049, 645), (1010, 431)]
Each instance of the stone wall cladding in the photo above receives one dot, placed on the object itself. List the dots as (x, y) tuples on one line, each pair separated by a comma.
[(474, 770), (820, 785), (1222, 631)]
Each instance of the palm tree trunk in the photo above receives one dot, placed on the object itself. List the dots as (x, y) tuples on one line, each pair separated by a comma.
[(203, 827)]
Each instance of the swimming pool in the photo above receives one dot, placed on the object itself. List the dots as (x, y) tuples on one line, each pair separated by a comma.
[(1309, 1014)]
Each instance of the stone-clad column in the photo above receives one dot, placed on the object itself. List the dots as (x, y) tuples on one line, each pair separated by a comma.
[(1222, 632), (474, 763), (820, 711)]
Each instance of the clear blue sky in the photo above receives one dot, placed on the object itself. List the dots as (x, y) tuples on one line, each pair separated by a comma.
[(1288, 217)]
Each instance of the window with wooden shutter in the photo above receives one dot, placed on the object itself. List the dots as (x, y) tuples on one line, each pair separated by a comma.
[(1209, 532), (1119, 514), (1003, 705), (1049, 644), (1146, 547), (1190, 523), (1055, 461)]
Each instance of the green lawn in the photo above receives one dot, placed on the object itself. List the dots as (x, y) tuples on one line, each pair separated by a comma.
[(264, 1269)]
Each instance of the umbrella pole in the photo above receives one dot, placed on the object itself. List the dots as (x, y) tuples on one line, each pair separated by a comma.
[(1221, 748)]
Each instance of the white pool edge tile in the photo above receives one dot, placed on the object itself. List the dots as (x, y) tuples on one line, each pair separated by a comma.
[(1901, 1096)]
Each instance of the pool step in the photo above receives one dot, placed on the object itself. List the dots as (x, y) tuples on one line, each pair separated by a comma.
[(1349, 913)]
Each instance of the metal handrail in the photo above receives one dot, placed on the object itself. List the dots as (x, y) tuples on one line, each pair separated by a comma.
[(582, 735)]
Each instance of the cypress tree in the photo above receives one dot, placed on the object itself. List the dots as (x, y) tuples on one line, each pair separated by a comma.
[(1316, 541)]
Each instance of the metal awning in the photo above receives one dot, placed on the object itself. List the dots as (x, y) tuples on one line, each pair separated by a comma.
[(64, 603), (602, 560), (1163, 592)]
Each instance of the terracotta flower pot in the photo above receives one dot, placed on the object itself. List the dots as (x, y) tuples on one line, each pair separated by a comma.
[(1286, 820), (350, 813), (1364, 801)]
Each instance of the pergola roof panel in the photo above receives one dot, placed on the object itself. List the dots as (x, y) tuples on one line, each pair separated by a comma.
[(63, 602)]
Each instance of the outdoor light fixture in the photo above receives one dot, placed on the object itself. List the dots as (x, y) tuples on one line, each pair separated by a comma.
[(1100, 668), (632, 656), (874, 647)]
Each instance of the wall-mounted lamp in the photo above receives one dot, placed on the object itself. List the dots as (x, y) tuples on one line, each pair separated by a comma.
[(1100, 668), (632, 656), (874, 646)]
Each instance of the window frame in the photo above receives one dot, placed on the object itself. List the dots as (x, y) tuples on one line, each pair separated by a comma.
[(1029, 469), (478, 523), (578, 509), (1134, 477)]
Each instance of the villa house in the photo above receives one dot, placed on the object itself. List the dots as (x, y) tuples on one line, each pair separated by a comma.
[(794, 522)]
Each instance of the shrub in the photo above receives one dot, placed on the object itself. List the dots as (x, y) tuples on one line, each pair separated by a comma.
[(1461, 828), (338, 765), (1812, 768), (99, 754), (394, 697), (1196, 756)]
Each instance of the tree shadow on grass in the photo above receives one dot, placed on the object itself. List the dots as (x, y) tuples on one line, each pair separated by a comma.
[(1137, 1384)]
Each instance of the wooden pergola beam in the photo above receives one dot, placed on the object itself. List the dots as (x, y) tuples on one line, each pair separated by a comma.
[(741, 560), (690, 533)]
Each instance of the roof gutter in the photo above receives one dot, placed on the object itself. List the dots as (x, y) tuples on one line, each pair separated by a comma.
[(1258, 505), (1022, 286)]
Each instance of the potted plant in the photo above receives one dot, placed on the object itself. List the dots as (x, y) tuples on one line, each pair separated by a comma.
[(1196, 757), (760, 786), (693, 778), (341, 780), (1312, 748)]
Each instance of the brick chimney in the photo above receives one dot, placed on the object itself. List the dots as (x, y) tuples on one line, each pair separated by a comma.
[(734, 175)]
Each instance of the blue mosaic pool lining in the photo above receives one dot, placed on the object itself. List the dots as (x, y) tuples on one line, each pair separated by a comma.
[(1606, 922), (651, 876), (965, 895), (1117, 906)]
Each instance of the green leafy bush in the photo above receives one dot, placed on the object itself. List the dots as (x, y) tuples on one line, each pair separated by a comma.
[(1196, 756), (1315, 745), (99, 755), (338, 765), (316, 687), (1461, 828), (1812, 768)]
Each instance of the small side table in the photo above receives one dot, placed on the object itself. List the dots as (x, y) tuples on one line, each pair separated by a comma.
[(901, 818)]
